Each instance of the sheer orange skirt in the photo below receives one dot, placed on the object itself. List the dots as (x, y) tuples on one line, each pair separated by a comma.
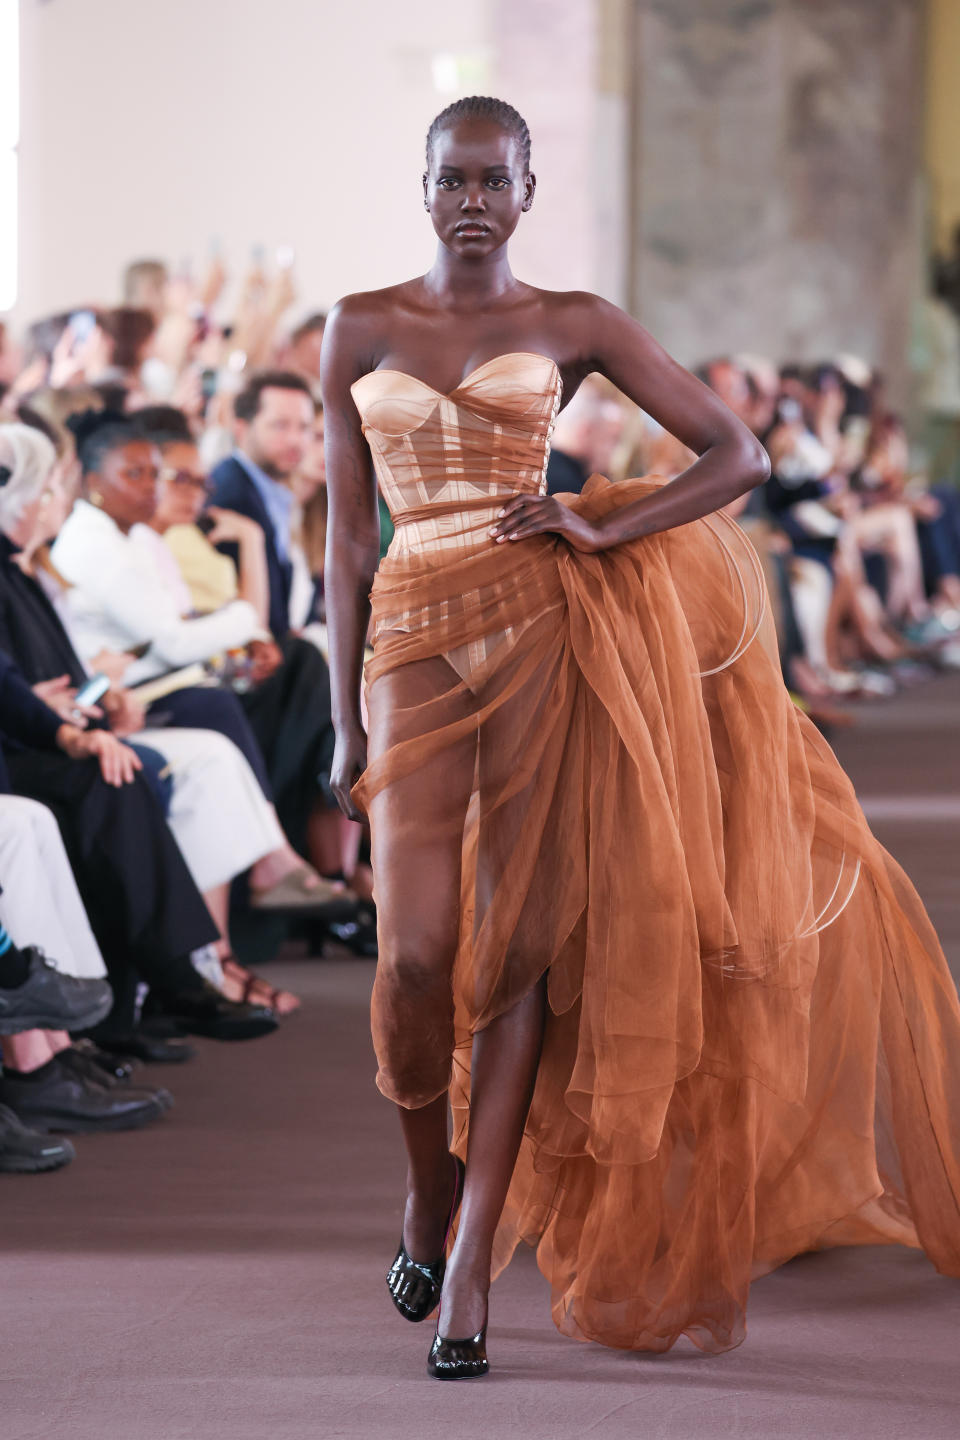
[(752, 1044)]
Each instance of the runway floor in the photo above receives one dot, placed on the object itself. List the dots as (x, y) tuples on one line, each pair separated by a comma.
[(221, 1275)]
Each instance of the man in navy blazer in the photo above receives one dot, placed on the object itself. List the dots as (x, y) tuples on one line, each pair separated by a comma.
[(275, 415)]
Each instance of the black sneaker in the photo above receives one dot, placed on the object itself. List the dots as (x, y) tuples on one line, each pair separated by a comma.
[(112, 1065), (49, 1000), (81, 1062), (66, 1101), (24, 1152)]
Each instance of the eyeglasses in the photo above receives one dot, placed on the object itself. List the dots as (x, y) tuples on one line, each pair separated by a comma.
[(187, 479)]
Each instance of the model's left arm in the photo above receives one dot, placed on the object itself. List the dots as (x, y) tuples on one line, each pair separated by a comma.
[(731, 460)]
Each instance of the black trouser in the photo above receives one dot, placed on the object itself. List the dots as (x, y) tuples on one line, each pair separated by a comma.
[(291, 718), (144, 909)]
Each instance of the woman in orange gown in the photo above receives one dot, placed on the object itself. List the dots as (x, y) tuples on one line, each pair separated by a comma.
[(690, 1017)]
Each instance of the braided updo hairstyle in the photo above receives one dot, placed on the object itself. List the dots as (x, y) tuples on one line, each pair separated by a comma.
[(482, 107)]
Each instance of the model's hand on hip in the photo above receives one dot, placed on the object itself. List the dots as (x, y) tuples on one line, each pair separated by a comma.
[(525, 515)]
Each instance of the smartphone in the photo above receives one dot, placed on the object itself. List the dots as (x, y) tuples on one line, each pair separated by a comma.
[(82, 325), (92, 690)]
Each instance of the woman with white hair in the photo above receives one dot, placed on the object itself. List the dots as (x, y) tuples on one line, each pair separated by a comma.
[(218, 813)]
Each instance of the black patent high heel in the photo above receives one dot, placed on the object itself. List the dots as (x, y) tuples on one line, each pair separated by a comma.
[(458, 1359), (415, 1287)]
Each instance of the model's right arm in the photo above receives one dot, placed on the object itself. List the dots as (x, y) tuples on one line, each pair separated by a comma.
[(353, 543)]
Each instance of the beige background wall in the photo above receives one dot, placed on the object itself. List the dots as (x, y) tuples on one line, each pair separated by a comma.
[(150, 128), (743, 174)]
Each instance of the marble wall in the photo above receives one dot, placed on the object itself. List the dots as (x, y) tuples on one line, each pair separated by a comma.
[(775, 169)]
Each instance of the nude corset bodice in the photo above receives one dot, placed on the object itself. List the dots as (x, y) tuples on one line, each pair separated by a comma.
[(444, 462)]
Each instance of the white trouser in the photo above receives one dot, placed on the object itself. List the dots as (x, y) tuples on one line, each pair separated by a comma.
[(219, 816), (811, 589), (40, 904)]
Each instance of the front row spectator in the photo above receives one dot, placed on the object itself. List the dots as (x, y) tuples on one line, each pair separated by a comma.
[(217, 811), (143, 906)]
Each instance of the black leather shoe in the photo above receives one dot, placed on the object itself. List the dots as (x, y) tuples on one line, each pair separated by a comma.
[(25, 1152), (111, 1065), (206, 1012), (459, 1359), (66, 1101), (81, 1062), (151, 1049), (49, 1000), (414, 1286), (359, 936)]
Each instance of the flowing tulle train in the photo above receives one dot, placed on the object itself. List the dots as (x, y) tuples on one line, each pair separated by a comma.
[(753, 1042)]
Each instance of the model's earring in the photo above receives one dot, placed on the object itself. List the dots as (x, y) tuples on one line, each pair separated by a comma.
[(96, 499)]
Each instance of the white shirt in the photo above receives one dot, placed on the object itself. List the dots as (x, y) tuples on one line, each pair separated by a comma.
[(120, 600)]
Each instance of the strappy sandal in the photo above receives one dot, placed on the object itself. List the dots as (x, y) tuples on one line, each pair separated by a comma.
[(301, 889), (257, 991)]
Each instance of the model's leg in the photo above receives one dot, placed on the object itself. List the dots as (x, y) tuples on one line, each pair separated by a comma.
[(506, 1052), (416, 828), (502, 1075)]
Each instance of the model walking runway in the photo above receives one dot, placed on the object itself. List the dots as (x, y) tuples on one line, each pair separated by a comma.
[(691, 1018)]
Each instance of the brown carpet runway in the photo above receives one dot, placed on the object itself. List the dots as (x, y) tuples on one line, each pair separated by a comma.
[(221, 1275)]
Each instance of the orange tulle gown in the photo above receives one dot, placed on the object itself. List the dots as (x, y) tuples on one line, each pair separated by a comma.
[(752, 1043)]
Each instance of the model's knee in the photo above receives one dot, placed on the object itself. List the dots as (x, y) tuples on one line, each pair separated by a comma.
[(418, 963)]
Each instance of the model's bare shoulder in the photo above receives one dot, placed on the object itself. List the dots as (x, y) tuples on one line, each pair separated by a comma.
[(360, 324), (571, 324)]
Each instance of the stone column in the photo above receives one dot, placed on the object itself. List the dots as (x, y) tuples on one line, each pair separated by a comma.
[(776, 162)]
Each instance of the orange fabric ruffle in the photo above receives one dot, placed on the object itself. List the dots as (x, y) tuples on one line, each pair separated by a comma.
[(753, 1041)]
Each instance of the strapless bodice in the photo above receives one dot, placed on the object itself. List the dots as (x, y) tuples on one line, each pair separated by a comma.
[(445, 462)]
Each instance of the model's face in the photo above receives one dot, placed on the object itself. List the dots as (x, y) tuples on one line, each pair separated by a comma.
[(476, 188), (183, 490), (127, 483), (277, 437)]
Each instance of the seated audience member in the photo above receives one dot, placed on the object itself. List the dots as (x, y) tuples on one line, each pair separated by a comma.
[(927, 559), (122, 598), (586, 436), (288, 703), (309, 539), (128, 333), (302, 351), (274, 423), (192, 529), (218, 813), (144, 908), (831, 596), (48, 1083), (763, 387)]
